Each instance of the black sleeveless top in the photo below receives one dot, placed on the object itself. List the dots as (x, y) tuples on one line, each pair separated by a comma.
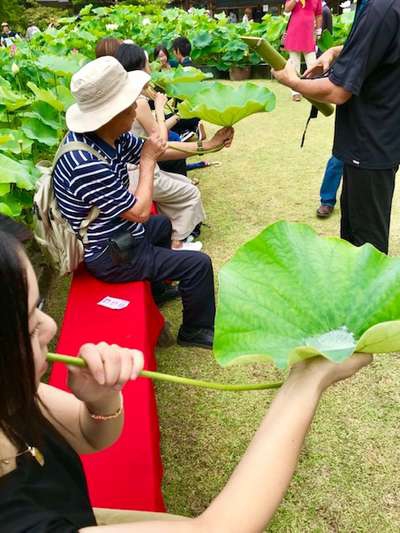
[(46, 499)]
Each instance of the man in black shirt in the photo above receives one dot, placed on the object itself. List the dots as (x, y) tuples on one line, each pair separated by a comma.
[(363, 79)]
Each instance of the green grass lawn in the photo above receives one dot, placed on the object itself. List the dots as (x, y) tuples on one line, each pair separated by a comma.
[(348, 478)]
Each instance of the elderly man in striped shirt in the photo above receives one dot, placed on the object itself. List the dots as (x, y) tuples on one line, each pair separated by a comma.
[(124, 244)]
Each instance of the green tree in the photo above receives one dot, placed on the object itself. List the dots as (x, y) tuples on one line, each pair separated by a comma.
[(21, 14), (11, 11)]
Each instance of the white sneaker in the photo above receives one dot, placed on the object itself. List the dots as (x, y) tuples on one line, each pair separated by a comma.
[(190, 247)]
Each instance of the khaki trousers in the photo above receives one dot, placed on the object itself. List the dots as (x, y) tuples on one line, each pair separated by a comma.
[(177, 198), (107, 517)]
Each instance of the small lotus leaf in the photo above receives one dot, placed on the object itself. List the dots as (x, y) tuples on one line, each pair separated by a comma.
[(187, 90), (289, 294), (11, 100), (17, 172), (4, 188), (179, 75), (14, 141), (225, 105)]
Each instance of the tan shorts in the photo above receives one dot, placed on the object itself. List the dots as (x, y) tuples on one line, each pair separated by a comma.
[(107, 517)]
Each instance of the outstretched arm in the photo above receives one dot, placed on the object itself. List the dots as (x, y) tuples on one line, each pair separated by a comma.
[(258, 484)]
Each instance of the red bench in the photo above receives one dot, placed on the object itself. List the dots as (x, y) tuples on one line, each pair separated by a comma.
[(128, 475)]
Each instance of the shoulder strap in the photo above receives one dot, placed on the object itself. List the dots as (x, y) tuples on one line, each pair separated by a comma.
[(76, 145), (64, 148)]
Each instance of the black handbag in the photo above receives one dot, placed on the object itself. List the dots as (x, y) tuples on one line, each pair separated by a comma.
[(122, 247)]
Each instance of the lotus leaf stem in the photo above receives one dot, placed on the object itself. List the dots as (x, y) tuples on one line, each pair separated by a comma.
[(278, 62), (77, 361)]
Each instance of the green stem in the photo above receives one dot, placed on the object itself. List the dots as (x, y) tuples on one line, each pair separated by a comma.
[(198, 151), (77, 361), (277, 62)]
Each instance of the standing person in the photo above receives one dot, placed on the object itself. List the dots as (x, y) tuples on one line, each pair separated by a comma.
[(363, 78), (247, 16), (329, 186), (43, 429), (334, 167), (124, 242), (31, 31), (232, 17), (303, 29), (327, 19)]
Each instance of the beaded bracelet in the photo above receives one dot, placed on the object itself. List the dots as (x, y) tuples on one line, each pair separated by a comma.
[(104, 418)]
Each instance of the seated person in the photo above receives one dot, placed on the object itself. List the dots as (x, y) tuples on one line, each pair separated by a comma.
[(181, 48), (107, 46), (43, 429), (7, 36), (161, 55), (124, 243), (175, 195)]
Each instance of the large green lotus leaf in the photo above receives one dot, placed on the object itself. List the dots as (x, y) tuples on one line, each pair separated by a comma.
[(60, 65), (46, 113), (289, 294), (178, 75), (38, 131), (225, 105), (65, 97), (46, 96)]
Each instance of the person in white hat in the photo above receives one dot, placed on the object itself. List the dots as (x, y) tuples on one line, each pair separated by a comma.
[(7, 36), (124, 243)]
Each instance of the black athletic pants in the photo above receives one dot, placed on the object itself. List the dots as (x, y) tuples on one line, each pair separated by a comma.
[(366, 204), (153, 260)]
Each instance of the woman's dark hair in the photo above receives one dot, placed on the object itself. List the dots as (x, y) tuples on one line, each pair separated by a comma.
[(160, 48), (20, 415), (107, 47), (182, 45), (131, 57)]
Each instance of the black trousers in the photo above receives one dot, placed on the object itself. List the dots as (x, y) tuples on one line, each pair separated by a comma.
[(153, 260), (366, 204)]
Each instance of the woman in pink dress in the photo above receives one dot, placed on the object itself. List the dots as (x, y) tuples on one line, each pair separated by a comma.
[(304, 27)]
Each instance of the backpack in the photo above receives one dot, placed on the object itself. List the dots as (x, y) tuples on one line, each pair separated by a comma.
[(63, 246)]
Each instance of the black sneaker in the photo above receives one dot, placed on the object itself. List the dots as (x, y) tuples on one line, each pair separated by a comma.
[(169, 293), (201, 337)]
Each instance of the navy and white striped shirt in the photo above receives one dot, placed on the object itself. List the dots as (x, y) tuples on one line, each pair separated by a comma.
[(82, 181)]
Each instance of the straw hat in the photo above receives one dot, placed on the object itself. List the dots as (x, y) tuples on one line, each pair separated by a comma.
[(102, 89)]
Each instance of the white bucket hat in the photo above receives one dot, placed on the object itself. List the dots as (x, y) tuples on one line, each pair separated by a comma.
[(102, 89)]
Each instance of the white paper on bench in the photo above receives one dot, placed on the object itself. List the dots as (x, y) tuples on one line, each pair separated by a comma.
[(114, 303)]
